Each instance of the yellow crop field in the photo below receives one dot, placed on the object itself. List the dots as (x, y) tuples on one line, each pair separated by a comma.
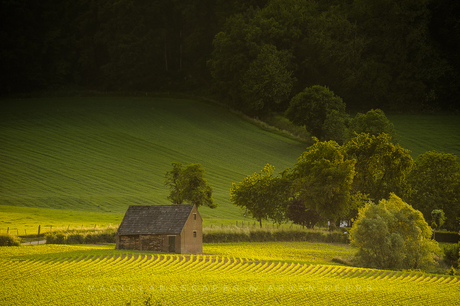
[(99, 275)]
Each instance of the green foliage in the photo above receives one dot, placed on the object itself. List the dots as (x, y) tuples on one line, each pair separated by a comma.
[(267, 82), (262, 235), (322, 177), (82, 237), (451, 254), (313, 109), (397, 41), (392, 235), (9, 240), (189, 185), (298, 213), (335, 126), (381, 166), (262, 195), (435, 184), (374, 122), (438, 217)]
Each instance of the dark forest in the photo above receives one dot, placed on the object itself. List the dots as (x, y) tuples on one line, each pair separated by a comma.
[(396, 55)]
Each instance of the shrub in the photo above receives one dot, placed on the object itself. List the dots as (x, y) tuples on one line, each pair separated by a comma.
[(451, 255), (260, 236), (393, 235), (60, 239), (9, 240), (75, 239), (79, 237)]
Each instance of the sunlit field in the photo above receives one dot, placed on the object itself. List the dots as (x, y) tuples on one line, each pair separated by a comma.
[(99, 275)]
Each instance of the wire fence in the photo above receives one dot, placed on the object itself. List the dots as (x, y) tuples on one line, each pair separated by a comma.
[(41, 230)]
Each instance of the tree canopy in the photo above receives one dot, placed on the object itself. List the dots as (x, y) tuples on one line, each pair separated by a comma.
[(374, 122), (262, 195), (435, 184), (392, 235), (189, 185), (313, 109), (322, 177), (381, 166), (386, 54)]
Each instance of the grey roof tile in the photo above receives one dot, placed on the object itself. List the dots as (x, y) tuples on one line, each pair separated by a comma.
[(156, 219)]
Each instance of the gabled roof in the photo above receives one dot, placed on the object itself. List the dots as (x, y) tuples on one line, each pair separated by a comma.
[(156, 219)]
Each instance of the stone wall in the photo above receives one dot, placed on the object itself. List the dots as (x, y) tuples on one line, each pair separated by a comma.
[(152, 243), (129, 242), (143, 242)]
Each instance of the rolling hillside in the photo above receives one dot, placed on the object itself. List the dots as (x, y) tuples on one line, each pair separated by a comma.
[(102, 154), (421, 133)]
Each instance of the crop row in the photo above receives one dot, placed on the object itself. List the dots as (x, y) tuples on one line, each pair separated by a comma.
[(209, 279)]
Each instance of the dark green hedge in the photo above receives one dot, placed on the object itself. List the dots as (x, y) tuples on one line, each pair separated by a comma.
[(9, 240), (281, 235), (450, 237), (81, 238)]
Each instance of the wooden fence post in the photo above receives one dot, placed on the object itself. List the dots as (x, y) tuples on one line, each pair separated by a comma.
[(8, 230), (38, 231)]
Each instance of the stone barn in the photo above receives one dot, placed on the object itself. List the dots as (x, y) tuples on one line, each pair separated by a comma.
[(161, 228)]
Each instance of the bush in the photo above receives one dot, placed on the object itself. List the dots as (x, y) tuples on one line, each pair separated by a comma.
[(451, 255), (75, 239), (262, 235), (9, 240), (88, 237), (393, 235)]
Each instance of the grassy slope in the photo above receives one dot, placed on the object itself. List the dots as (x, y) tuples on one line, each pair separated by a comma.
[(421, 133), (102, 154)]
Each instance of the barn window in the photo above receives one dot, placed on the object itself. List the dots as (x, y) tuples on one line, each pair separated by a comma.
[(194, 216), (194, 234)]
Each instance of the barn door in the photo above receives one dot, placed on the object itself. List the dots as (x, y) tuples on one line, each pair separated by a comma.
[(172, 243)]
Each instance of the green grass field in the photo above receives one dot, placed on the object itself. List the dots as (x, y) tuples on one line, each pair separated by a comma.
[(421, 133), (72, 162), (100, 155), (295, 273)]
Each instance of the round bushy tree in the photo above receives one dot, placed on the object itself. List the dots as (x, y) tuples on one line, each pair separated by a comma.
[(392, 235), (374, 122), (314, 108), (189, 185)]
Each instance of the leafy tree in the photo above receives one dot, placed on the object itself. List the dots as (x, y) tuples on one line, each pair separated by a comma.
[(381, 166), (438, 217), (435, 184), (322, 177), (262, 195), (392, 235), (299, 214), (267, 82), (311, 109), (374, 122), (189, 185), (335, 126)]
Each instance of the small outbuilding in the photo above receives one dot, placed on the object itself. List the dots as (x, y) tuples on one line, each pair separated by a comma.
[(161, 228)]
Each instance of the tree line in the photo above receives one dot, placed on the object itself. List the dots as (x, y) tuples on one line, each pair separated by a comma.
[(332, 182), (258, 54)]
